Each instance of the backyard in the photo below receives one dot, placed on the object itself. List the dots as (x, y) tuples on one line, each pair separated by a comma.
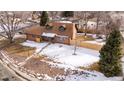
[(56, 61)]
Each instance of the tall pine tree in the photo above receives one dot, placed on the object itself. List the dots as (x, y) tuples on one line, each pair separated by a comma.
[(44, 18), (110, 55)]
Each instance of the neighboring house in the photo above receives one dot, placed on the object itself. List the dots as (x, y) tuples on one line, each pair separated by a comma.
[(58, 32), (83, 26), (91, 25)]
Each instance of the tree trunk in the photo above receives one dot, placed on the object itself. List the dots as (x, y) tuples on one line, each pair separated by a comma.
[(10, 39), (85, 30)]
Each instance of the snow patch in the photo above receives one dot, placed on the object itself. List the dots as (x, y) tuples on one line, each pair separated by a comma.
[(48, 34), (90, 76)]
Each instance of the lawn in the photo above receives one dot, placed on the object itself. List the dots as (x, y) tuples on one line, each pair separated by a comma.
[(86, 42), (90, 46), (84, 38)]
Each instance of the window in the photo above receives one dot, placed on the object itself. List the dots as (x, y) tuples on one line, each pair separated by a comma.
[(62, 28)]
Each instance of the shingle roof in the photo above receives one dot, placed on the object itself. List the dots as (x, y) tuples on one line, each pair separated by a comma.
[(36, 30)]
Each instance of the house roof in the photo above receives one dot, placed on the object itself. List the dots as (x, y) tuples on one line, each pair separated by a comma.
[(39, 30), (36, 30)]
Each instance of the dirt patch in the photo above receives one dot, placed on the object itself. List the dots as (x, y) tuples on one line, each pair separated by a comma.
[(92, 67), (17, 49), (43, 68), (4, 43), (87, 45), (18, 52), (90, 46), (84, 38), (80, 42)]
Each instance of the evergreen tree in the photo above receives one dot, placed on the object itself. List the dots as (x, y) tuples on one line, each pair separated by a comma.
[(44, 18), (68, 14), (110, 55)]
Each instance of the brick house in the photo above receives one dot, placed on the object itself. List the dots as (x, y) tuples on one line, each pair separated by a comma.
[(56, 32)]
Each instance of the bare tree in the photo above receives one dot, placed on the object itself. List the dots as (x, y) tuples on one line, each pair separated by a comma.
[(85, 16), (103, 22), (53, 14), (98, 16), (33, 15), (9, 24), (107, 24)]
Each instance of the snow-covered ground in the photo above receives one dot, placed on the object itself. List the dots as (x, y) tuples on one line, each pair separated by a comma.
[(90, 76), (64, 53)]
